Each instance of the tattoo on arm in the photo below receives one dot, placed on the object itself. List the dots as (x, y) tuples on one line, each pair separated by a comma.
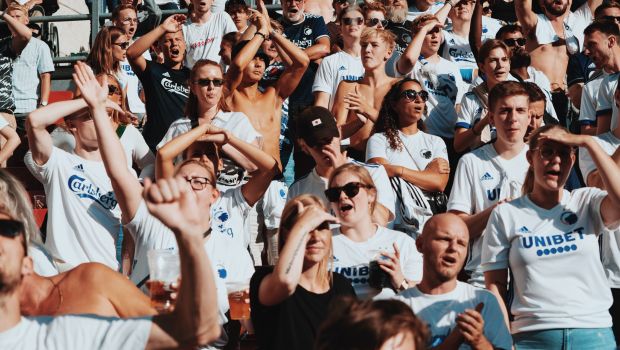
[(299, 244)]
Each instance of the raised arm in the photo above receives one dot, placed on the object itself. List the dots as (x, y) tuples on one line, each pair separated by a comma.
[(12, 141), (408, 59), (527, 18), (21, 33), (593, 179), (294, 71), (127, 188), (39, 139), (194, 320), (172, 24), (475, 29), (164, 160), (283, 281)]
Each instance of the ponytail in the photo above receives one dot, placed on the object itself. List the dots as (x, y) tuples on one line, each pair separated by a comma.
[(528, 184)]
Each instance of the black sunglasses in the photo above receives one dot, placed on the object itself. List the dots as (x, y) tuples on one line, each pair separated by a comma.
[(371, 22), (349, 21), (411, 95), (113, 89), (123, 45), (11, 228), (207, 82), (351, 190), (612, 18), (515, 42)]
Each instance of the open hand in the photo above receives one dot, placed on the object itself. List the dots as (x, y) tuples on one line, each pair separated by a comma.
[(94, 93)]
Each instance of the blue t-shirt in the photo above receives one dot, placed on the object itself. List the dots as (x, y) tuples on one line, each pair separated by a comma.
[(304, 35)]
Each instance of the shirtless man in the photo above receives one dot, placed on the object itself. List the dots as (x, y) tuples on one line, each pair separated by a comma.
[(81, 291), (264, 108), (321, 8), (548, 54), (363, 98)]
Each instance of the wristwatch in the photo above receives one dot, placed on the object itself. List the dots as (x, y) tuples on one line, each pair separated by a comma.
[(403, 286), (43, 103)]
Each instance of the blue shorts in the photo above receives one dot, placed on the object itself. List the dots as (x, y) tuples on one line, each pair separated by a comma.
[(566, 339)]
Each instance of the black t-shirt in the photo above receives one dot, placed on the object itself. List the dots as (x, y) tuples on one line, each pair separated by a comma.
[(402, 31), (7, 102), (166, 92), (304, 35), (580, 69), (293, 324)]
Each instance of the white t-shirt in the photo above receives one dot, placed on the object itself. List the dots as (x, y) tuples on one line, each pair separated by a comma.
[(606, 103), (445, 87), (482, 179), (131, 82), (77, 332), (84, 216), (439, 312), (589, 100), (553, 255), (316, 185), (539, 78), (414, 12), (235, 122), (351, 259), (610, 243), (203, 41), (334, 69), (423, 147)]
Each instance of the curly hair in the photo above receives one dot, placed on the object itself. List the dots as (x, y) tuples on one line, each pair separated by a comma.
[(388, 121)]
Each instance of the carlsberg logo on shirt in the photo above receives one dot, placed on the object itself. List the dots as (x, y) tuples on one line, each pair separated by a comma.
[(85, 189), (173, 87)]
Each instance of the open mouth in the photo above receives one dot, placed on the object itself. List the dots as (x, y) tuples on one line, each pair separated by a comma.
[(555, 173), (293, 11), (175, 51), (449, 260), (345, 208)]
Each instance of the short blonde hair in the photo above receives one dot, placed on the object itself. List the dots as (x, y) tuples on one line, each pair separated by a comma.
[(387, 36)]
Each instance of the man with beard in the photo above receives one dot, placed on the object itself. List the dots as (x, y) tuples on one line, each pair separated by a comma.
[(552, 37), (165, 85), (458, 315)]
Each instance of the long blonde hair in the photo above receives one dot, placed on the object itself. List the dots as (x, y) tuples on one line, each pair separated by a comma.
[(15, 202), (528, 184), (290, 216)]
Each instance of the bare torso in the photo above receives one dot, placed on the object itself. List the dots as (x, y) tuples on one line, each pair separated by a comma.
[(265, 113), (321, 8), (551, 59)]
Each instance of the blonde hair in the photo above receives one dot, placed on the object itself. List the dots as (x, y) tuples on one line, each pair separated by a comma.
[(290, 216), (388, 37), (364, 178), (528, 183), (15, 202)]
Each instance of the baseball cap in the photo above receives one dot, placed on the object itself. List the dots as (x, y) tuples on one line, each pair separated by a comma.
[(260, 53), (317, 126)]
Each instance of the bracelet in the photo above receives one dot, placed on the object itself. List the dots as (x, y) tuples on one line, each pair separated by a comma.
[(261, 34)]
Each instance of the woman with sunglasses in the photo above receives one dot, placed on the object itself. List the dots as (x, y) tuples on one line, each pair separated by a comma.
[(290, 301), (357, 103), (331, 71), (549, 240), (108, 51), (374, 15), (359, 241), (401, 145), (206, 106)]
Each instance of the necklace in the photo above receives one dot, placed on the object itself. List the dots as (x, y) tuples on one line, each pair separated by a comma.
[(60, 296)]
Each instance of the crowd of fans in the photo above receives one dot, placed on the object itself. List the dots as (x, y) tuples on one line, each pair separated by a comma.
[(377, 175)]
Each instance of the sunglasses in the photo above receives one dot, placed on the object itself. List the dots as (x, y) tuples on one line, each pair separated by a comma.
[(198, 183), (351, 190), (207, 82), (547, 152), (113, 90), (515, 42), (123, 45), (11, 228), (371, 22), (612, 18), (349, 21), (411, 95)]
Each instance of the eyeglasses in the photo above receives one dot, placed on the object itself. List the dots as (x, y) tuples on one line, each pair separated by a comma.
[(371, 22), (347, 21), (11, 228), (612, 18), (130, 20), (515, 42), (207, 82), (547, 152), (411, 95), (123, 45), (351, 190), (198, 183)]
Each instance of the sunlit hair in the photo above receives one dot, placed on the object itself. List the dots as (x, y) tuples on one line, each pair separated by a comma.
[(504, 90), (15, 6), (100, 58), (528, 184), (535, 92), (420, 21), (191, 107), (490, 45), (363, 177), (366, 325), (373, 6), (352, 8), (385, 35), (388, 121), (15, 202), (290, 215)]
